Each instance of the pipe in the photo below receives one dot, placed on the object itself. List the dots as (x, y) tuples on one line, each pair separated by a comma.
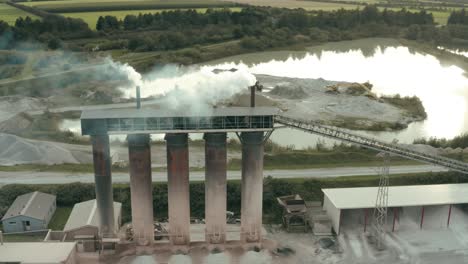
[(422, 217), (103, 180), (449, 214), (252, 95), (395, 215), (138, 98), (215, 187), (252, 186), (365, 219), (1, 237), (178, 188), (139, 153)]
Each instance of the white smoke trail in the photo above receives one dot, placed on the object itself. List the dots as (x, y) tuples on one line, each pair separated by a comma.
[(188, 88)]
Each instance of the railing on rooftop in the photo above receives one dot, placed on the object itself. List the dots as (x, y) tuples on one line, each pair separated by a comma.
[(174, 124)]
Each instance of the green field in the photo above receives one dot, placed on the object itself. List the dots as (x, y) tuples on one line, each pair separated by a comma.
[(307, 5), (91, 17), (9, 14), (73, 6), (440, 17)]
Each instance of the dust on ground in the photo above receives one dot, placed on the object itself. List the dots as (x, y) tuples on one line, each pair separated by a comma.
[(433, 244)]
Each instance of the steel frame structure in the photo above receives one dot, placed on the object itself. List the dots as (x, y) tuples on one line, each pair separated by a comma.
[(379, 222), (391, 148), (153, 122)]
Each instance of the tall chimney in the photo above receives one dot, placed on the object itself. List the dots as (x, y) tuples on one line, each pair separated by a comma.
[(138, 98), (252, 95)]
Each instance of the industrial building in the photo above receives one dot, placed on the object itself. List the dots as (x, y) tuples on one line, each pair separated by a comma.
[(253, 125), (414, 199), (29, 212), (84, 220)]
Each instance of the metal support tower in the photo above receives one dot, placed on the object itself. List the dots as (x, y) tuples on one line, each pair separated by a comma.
[(379, 222)]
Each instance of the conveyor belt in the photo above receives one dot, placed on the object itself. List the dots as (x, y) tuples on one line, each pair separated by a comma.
[(344, 135)]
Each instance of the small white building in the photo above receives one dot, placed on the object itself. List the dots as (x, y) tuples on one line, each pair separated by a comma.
[(84, 220), (29, 212), (415, 197)]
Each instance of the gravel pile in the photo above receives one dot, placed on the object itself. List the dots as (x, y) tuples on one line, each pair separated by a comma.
[(16, 150)]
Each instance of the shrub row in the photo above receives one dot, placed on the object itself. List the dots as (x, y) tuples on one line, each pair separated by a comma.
[(309, 189)]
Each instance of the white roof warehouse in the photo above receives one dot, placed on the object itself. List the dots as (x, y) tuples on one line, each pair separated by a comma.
[(338, 199)]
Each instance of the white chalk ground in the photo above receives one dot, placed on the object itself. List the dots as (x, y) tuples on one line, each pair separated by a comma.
[(197, 232), (13, 105), (433, 244), (313, 103), (17, 150)]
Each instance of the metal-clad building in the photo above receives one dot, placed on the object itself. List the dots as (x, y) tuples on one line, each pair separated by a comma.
[(84, 220), (29, 212), (400, 198)]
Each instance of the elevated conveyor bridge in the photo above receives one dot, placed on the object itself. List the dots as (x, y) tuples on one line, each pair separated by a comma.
[(367, 142)]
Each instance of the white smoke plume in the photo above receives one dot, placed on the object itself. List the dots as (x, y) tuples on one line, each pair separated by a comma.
[(194, 89)]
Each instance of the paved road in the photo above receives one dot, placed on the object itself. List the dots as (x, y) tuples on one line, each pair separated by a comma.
[(26, 177)]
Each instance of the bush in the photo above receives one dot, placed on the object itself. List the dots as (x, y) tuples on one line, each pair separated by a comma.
[(460, 141), (54, 43), (252, 43)]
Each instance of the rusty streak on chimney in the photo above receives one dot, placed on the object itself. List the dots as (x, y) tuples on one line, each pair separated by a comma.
[(252, 95), (138, 98)]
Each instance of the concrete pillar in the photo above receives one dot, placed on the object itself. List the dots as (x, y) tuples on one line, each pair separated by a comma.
[(252, 186), (103, 181), (141, 188), (215, 187), (178, 188)]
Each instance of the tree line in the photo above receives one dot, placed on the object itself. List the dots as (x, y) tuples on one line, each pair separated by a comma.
[(458, 17), (257, 28), (460, 141), (51, 29), (297, 19)]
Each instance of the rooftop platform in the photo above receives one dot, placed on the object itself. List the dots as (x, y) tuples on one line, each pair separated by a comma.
[(399, 196), (153, 121), (338, 199), (37, 252)]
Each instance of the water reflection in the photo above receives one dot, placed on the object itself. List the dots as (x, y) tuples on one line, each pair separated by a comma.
[(392, 69), (455, 51)]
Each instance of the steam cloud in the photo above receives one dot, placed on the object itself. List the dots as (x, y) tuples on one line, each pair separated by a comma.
[(194, 89)]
